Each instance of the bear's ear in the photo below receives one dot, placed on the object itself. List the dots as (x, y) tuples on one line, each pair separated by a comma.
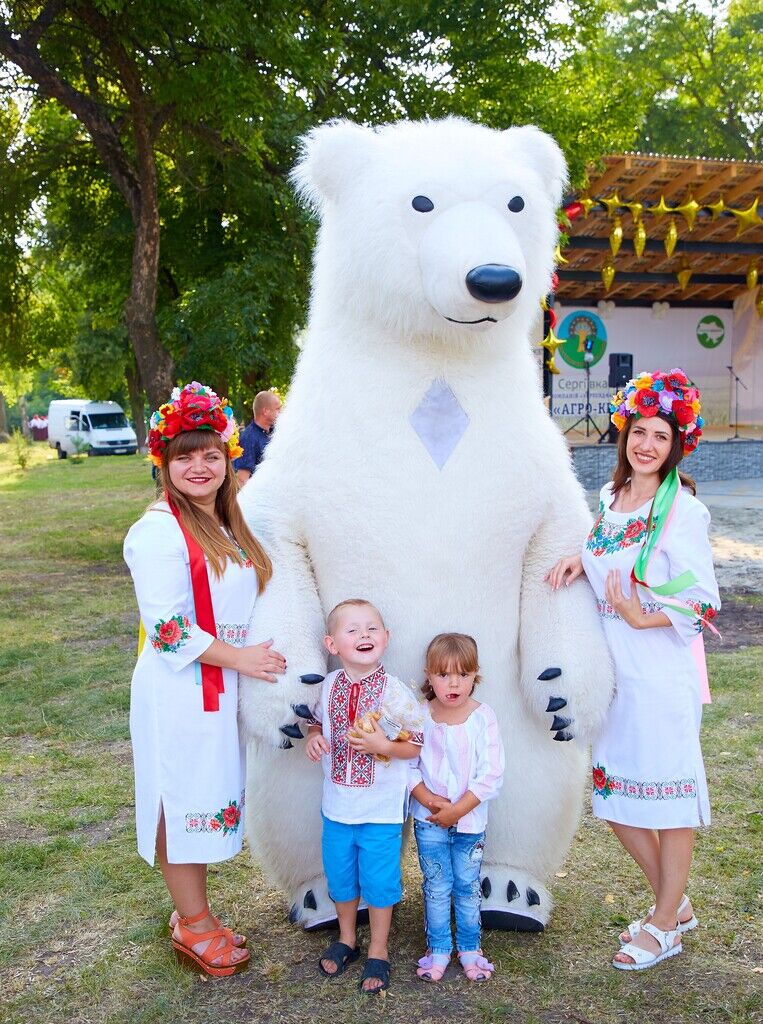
[(542, 154), (330, 156)]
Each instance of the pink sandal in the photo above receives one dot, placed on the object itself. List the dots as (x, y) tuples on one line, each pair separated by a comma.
[(475, 966), (433, 966)]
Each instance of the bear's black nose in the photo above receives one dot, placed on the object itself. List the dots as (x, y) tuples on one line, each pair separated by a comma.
[(492, 282)]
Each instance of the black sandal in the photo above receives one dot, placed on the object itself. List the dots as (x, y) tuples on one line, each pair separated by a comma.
[(342, 955), (375, 968)]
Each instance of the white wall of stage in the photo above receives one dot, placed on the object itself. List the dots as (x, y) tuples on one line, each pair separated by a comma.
[(702, 341)]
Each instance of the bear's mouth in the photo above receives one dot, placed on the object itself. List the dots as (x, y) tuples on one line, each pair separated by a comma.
[(482, 320)]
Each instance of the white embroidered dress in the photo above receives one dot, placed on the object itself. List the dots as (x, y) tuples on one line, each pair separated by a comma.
[(647, 762), (187, 760)]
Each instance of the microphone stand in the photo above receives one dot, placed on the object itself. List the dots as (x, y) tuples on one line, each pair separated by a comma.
[(588, 418), (737, 382)]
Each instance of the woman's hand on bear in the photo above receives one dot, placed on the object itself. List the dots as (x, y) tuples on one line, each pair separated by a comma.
[(570, 566), (261, 662)]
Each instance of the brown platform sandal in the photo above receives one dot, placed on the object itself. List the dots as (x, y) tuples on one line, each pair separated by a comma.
[(220, 948), (238, 940)]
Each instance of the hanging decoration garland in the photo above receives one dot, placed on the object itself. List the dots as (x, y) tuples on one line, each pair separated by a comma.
[(752, 274)]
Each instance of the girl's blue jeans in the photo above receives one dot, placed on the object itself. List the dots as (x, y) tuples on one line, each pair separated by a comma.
[(450, 863)]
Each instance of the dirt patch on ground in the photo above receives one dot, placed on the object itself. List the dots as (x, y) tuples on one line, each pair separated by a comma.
[(740, 623)]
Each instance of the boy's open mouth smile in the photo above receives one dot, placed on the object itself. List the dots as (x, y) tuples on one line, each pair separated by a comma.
[(367, 646)]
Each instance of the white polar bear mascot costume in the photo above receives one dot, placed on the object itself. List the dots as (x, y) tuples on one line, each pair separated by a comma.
[(415, 465)]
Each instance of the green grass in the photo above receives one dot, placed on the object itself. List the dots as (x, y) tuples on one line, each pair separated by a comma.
[(83, 920)]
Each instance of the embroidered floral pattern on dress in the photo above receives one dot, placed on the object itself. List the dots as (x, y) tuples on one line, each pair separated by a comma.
[(168, 637), (234, 633), (224, 821), (606, 611), (705, 613), (607, 537), (348, 766), (605, 785)]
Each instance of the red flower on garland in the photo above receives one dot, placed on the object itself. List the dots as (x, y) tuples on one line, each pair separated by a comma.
[(691, 441), (676, 379), (683, 413), (647, 401)]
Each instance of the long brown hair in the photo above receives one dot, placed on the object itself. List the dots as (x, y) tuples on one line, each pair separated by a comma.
[(449, 652), (214, 542), (623, 471)]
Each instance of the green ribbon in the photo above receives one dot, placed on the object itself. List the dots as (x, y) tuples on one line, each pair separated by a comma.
[(662, 507)]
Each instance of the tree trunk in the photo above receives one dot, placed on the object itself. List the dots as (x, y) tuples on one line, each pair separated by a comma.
[(3, 416), (137, 405), (154, 363)]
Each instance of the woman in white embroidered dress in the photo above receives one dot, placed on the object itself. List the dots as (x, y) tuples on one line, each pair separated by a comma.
[(648, 775), (189, 771)]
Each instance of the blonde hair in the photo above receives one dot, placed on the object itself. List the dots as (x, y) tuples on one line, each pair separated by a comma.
[(352, 602), (213, 541), (450, 652)]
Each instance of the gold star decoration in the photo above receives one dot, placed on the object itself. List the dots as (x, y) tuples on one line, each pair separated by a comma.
[(551, 342), (746, 218), (587, 203), (608, 274), (684, 274), (639, 239), (716, 208), (612, 203), (660, 209), (616, 236), (558, 258), (689, 211), (671, 237)]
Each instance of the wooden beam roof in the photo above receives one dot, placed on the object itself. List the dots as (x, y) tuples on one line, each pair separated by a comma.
[(714, 250)]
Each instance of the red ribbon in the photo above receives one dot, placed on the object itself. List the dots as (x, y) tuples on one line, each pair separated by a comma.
[(212, 684)]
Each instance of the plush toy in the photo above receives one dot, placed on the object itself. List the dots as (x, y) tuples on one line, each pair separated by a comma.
[(415, 465)]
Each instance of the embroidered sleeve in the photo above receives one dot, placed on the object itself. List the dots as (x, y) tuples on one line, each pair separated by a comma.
[(155, 553), (687, 546), (487, 777)]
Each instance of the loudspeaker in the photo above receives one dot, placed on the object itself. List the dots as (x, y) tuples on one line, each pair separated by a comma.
[(620, 368)]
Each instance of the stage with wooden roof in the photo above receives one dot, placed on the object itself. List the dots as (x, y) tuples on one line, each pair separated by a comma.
[(654, 228)]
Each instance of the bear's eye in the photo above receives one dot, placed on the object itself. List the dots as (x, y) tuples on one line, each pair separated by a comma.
[(516, 204), (422, 204)]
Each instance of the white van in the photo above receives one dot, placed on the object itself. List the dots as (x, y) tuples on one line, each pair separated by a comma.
[(102, 425)]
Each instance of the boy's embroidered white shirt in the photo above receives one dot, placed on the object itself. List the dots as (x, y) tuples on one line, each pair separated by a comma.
[(357, 788), (457, 758)]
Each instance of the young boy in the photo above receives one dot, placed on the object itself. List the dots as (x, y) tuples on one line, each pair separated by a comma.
[(364, 800)]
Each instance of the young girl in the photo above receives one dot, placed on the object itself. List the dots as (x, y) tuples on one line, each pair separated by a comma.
[(197, 571), (459, 769)]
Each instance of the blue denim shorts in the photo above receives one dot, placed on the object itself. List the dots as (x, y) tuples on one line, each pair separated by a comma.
[(363, 860)]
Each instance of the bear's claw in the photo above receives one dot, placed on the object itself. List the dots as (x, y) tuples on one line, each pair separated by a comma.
[(285, 745), (311, 679), (560, 723), (549, 673), (511, 892), (533, 899), (486, 887), (301, 710), (563, 735), (556, 703), (293, 731)]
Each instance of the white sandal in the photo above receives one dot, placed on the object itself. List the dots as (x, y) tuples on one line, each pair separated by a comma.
[(644, 958), (683, 926)]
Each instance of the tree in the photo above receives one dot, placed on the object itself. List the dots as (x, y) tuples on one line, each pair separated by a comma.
[(176, 122), (699, 68)]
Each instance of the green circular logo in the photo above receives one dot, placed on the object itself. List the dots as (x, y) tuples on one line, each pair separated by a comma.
[(710, 331), (585, 339)]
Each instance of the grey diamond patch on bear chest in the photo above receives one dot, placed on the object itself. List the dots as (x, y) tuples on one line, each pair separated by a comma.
[(439, 421)]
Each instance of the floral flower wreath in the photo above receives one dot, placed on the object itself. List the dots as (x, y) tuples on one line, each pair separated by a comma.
[(194, 407), (669, 393)]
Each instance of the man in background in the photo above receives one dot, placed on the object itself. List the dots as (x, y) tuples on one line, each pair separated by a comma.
[(254, 437)]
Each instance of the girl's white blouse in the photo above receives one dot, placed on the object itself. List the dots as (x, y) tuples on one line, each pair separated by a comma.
[(457, 758)]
